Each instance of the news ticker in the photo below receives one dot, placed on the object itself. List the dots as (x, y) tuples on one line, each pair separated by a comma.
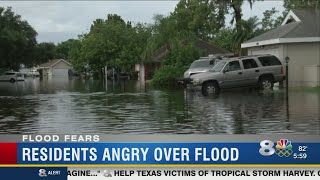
[(64, 173), (152, 150)]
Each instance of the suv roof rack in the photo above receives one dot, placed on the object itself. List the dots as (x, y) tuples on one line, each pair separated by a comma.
[(257, 55)]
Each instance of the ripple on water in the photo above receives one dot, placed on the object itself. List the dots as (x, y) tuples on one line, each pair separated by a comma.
[(82, 108)]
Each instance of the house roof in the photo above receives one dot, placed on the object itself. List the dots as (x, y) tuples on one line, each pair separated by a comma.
[(301, 25), (53, 62), (211, 48), (206, 47)]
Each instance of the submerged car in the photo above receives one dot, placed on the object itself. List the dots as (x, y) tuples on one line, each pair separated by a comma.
[(200, 66), (11, 76), (33, 73), (259, 70)]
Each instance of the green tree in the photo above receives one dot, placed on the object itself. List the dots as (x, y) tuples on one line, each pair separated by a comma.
[(44, 52), (206, 17), (63, 48), (75, 55), (164, 30), (224, 38), (198, 16), (231, 38), (295, 4), (270, 20), (181, 46), (235, 6), (111, 42), (102, 44), (17, 40), (247, 29), (175, 64)]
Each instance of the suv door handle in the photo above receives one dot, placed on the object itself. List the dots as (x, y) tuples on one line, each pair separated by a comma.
[(240, 73), (257, 70)]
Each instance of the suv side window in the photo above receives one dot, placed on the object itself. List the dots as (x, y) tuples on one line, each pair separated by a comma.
[(232, 66), (10, 73), (269, 61), (249, 63)]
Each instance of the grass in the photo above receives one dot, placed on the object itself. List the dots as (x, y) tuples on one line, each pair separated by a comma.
[(306, 89)]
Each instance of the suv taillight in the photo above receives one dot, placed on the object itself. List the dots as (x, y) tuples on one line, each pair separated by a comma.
[(281, 72)]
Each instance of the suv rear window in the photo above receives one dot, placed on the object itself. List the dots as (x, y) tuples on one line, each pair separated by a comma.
[(269, 61), (249, 63)]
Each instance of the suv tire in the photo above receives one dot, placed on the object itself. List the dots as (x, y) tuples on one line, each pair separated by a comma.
[(12, 80), (265, 83), (210, 88)]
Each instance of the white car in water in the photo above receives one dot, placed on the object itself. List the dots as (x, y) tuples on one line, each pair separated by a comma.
[(11, 76), (33, 73), (200, 66)]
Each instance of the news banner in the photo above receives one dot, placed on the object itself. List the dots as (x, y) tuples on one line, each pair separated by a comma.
[(159, 156)]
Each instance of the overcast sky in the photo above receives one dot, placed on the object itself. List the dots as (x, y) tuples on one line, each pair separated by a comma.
[(57, 21)]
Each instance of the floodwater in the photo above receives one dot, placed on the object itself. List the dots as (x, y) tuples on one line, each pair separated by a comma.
[(78, 106)]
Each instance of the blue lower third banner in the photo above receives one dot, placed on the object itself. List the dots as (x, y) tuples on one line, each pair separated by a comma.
[(264, 152), (32, 173)]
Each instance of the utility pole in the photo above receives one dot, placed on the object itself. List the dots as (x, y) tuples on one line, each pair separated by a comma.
[(287, 72)]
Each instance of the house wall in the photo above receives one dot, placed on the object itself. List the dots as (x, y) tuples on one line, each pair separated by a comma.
[(303, 64), (270, 49), (142, 73), (59, 67), (140, 68), (45, 72)]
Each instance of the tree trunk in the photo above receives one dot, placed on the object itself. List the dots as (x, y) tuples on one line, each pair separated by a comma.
[(236, 6), (237, 16)]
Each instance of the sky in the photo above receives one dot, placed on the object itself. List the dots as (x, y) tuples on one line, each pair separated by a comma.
[(57, 21)]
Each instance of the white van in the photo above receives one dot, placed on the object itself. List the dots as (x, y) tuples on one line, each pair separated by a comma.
[(11, 76)]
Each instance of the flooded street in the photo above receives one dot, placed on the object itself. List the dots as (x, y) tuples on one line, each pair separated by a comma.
[(79, 106)]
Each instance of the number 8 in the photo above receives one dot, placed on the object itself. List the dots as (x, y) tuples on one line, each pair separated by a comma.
[(266, 148)]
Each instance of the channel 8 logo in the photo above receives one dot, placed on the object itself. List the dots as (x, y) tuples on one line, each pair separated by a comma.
[(266, 148), (283, 148), (42, 173)]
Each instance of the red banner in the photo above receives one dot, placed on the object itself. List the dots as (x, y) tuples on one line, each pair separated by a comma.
[(8, 153)]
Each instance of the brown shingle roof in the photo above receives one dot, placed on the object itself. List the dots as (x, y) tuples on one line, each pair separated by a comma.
[(209, 48), (206, 47), (161, 53)]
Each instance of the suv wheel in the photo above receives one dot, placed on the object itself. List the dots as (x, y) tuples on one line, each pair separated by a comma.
[(210, 88), (266, 83), (12, 80)]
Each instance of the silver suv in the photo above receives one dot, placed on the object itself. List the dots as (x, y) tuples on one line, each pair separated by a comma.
[(259, 70)]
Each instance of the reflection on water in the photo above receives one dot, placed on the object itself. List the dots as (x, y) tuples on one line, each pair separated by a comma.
[(79, 106)]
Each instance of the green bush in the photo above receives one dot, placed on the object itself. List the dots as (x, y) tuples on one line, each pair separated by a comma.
[(166, 76)]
